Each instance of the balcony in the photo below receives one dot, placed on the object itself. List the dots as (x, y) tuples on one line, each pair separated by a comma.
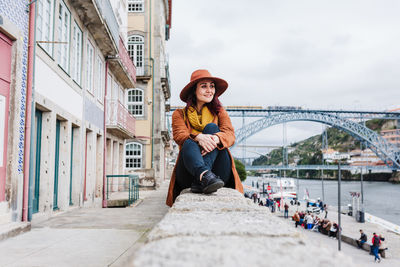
[(122, 67), (98, 17), (165, 136), (143, 70), (119, 121), (166, 81)]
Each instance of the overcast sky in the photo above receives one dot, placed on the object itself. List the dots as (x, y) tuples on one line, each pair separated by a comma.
[(314, 54)]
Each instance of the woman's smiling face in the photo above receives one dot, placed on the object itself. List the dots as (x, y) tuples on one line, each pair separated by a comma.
[(205, 90)]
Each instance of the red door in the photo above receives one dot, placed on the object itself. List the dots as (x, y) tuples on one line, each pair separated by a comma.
[(5, 73)]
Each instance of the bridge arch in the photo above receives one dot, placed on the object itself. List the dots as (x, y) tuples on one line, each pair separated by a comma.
[(389, 153)]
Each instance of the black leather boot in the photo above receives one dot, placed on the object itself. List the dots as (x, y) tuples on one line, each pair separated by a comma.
[(209, 183)]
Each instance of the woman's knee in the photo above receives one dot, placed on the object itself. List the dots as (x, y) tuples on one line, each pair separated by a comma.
[(211, 128), (189, 142), (189, 146)]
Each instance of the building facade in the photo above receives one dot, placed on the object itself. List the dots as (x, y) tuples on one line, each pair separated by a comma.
[(82, 70), (149, 23), (13, 70), (392, 136)]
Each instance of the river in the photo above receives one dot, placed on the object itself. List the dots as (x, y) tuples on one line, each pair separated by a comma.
[(381, 199)]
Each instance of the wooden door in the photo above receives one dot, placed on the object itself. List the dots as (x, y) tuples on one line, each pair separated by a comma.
[(5, 80)]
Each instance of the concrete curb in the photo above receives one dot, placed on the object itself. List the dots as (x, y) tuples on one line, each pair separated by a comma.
[(13, 229)]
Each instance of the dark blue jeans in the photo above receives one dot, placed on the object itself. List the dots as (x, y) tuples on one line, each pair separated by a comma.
[(375, 251), (191, 163)]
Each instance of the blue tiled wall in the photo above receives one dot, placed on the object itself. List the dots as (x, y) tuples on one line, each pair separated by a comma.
[(16, 12)]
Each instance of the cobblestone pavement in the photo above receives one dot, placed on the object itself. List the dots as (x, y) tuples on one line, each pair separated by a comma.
[(87, 236)]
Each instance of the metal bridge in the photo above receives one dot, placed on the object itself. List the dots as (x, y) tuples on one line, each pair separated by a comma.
[(341, 119), (387, 152), (255, 111), (317, 167)]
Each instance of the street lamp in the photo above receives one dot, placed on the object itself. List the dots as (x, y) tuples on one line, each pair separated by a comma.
[(339, 201)]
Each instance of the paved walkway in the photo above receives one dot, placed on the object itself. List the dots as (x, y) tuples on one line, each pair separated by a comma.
[(351, 228), (87, 237)]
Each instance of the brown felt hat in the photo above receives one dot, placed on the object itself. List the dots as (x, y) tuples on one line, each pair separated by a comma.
[(220, 84)]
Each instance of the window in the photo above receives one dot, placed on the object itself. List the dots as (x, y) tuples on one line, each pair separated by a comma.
[(135, 5), (100, 80), (135, 102), (44, 25), (63, 36), (77, 54), (136, 52), (133, 155), (89, 67)]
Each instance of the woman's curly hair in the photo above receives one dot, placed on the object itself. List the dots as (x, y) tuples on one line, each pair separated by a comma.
[(214, 106)]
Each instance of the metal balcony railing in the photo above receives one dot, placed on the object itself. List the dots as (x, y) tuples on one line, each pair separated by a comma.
[(126, 61), (99, 19), (118, 185), (107, 12), (143, 69), (120, 120)]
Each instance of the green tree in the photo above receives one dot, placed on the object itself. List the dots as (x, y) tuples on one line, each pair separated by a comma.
[(241, 170)]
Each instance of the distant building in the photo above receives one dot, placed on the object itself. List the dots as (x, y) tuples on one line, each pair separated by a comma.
[(330, 155), (364, 158), (392, 136)]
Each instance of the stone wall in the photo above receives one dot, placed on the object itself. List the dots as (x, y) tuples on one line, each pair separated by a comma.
[(226, 229)]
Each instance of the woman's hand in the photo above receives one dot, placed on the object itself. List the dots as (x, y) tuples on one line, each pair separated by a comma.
[(216, 139), (206, 142)]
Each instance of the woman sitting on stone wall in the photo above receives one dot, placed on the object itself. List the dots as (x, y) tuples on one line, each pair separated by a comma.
[(204, 132)]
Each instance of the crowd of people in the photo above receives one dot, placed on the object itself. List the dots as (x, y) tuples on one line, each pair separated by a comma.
[(308, 221)]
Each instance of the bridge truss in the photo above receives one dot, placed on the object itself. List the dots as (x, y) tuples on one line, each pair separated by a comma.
[(318, 167), (387, 152)]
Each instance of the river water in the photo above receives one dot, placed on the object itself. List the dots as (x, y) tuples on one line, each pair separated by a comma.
[(381, 199)]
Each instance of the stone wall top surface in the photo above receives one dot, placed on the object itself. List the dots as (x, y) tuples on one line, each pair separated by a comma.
[(226, 229)]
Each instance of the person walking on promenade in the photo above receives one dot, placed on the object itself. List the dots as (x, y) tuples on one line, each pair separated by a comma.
[(286, 213), (363, 238), (376, 241), (296, 218), (204, 132), (383, 246), (326, 211)]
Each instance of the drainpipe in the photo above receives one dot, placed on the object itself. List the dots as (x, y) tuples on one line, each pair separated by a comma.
[(28, 172), (105, 139), (84, 182), (152, 113)]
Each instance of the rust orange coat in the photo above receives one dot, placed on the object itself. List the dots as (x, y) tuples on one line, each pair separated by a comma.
[(181, 131)]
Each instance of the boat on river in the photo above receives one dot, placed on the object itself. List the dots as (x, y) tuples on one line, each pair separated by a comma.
[(276, 187)]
